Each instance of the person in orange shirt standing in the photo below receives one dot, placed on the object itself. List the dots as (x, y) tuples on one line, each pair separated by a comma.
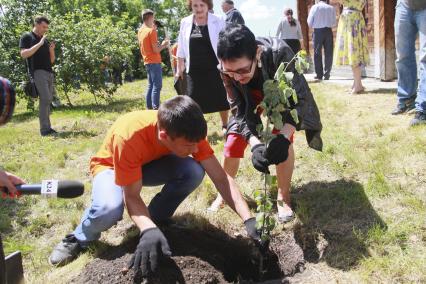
[(150, 50), (151, 148)]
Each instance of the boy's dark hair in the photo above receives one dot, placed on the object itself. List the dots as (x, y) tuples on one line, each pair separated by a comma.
[(229, 2), (182, 117), (41, 19), (236, 41)]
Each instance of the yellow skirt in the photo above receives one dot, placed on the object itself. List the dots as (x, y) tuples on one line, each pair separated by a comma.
[(351, 40)]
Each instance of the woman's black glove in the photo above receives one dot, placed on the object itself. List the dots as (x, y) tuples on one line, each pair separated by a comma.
[(152, 246), (277, 151), (258, 159)]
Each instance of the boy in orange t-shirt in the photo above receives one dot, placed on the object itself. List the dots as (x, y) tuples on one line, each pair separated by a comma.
[(150, 148), (150, 50)]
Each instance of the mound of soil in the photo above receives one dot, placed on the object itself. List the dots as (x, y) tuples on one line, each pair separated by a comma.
[(179, 269), (202, 256)]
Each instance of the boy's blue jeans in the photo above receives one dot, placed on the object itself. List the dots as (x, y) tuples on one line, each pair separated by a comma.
[(155, 83), (180, 177), (408, 24)]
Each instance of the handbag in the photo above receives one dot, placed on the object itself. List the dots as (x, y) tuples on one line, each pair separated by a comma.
[(180, 85), (30, 88)]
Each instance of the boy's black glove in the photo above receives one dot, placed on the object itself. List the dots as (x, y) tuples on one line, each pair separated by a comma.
[(254, 233), (258, 159), (152, 246), (277, 151), (251, 229)]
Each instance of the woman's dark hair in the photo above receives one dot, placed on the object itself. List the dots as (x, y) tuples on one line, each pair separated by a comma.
[(287, 12), (236, 41), (182, 117), (41, 19), (208, 2)]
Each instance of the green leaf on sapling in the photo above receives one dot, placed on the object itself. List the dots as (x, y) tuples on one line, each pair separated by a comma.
[(294, 115), (289, 76), (294, 96), (299, 67), (279, 72)]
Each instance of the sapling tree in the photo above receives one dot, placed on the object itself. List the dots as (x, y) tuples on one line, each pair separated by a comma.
[(279, 97)]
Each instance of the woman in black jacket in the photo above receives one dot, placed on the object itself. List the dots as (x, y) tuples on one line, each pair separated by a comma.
[(245, 64)]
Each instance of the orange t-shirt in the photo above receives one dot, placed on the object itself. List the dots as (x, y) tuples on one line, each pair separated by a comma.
[(146, 37), (131, 143)]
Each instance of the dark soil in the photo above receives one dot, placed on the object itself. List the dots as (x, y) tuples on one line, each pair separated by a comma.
[(178, 269), (205, 255)]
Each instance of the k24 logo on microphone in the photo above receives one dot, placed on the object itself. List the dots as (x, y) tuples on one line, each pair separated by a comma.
[(49, 188)]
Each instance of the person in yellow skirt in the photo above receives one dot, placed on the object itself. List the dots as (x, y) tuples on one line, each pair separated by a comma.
[(351, 41)]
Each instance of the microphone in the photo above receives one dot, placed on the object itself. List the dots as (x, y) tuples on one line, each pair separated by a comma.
[(51, 189), (7, 100)]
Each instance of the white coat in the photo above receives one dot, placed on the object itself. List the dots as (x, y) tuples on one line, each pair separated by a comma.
[(215, 25)]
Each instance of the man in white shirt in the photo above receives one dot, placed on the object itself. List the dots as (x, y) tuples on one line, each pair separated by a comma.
[(322, 17)]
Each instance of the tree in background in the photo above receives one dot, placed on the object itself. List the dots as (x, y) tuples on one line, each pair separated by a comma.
[(87, 46), (91, 35)]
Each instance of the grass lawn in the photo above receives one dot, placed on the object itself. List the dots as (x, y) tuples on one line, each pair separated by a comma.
[(360, 204)]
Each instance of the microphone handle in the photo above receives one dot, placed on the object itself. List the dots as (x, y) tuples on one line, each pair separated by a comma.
[(29, 189), (25, 189)]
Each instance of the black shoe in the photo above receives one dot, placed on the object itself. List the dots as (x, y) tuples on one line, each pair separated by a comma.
[(326, 77), (419, 119), (66, 251), (318, 78), (50, 132), (400, 109)]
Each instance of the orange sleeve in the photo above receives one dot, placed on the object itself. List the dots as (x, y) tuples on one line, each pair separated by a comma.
[(127, 162), (205, 151), (153, 36), (140, 37)]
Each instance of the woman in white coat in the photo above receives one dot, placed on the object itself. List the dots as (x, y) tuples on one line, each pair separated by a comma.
[(197, 56)]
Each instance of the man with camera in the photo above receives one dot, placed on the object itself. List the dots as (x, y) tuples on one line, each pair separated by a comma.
[(40, 55)]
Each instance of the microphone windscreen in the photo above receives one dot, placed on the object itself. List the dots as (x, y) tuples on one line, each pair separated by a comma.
[(70, 189), (7, 100)]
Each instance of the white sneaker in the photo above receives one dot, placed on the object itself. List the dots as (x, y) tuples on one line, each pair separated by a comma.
[(286, 214)]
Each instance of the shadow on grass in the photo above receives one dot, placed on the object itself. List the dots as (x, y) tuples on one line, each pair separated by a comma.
[(118, 105), (24, 116), (391, 91), (8, 212), (335, 218), (75, 134)]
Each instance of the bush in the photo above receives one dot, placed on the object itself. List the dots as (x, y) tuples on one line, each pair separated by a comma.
[(92, 36), (86, 47)]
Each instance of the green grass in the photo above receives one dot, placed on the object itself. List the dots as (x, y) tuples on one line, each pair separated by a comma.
[(361, 203)]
